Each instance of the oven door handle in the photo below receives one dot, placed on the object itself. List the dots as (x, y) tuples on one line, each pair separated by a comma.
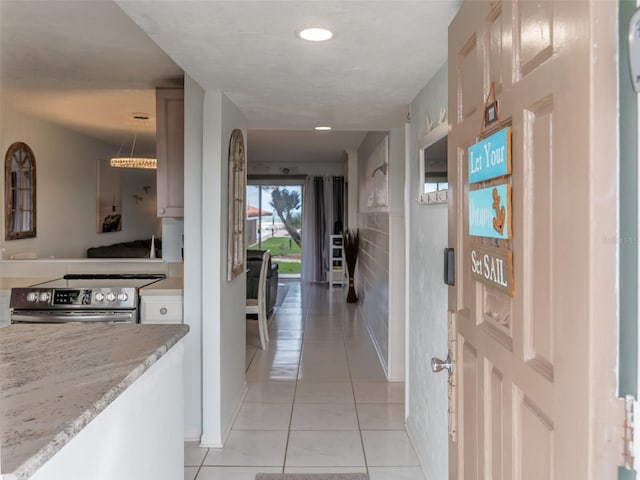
[(47, 317)]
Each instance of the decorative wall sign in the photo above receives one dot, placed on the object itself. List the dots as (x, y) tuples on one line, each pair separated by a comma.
[(493, 267), (109, 198), (490, 212), (491, 113), (490, 157), (376, 180)]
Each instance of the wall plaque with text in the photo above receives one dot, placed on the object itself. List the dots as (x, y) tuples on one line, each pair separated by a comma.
[(490, 212), (493, 267), (490, 157)]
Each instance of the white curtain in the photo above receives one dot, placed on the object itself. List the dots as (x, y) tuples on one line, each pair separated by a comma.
[(309, 232)]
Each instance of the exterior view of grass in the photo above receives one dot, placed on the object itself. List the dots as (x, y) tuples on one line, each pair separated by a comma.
[(279, 246), (289, 267), (282, 247)]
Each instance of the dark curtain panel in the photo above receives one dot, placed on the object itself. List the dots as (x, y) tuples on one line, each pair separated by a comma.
[(338, 205), (321, 231)]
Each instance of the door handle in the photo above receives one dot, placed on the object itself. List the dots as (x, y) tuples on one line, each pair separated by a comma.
[(438, 365)]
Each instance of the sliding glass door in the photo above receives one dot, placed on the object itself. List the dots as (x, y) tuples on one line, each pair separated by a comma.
[(274, 223)]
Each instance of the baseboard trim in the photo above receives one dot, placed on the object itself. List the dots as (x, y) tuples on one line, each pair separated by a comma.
[(376, 346), (207, 442), (410, 433)]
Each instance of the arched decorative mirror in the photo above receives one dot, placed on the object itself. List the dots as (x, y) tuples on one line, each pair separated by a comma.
[(237, 208), (20, 192)]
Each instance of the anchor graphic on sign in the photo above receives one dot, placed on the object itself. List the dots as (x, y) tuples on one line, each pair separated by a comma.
[(498, 222)]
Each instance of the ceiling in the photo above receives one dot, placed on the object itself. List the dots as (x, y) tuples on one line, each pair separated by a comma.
[(90, 65)]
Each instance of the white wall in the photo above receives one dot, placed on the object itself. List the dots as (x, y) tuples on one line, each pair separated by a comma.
[(427, 297), (223, 302), (66, 169), (192, 309), (397, 267), (296, 168), (352, 189), (381, 257)]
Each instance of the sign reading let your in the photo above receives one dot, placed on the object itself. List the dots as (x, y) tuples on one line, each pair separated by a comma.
[(490, 157)]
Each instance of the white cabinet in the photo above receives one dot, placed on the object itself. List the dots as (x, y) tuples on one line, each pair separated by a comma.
[(5, 313), (336, 273), (161, 309), (170, 151)]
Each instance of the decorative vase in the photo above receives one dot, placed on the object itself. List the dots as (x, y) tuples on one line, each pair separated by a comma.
[(350, 242), (152, 250), (351, 294)]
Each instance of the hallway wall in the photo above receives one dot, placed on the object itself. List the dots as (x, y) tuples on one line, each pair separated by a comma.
[(381, 268), (373, 283), (427, 295)]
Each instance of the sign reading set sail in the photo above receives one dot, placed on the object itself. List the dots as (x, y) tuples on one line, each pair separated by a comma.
[(490, 157), (493, 267)]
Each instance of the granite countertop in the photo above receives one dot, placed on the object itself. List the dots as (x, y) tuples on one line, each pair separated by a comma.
[(168, 286), (55, 378)]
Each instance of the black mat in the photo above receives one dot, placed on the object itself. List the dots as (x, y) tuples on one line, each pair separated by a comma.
[(312, 476)]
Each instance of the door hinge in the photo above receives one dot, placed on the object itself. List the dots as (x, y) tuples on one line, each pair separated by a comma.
[(629, 453)]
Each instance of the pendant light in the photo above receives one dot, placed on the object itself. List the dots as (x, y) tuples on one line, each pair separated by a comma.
[(132, 161)]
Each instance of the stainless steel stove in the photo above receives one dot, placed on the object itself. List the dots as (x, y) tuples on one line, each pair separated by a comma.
[(81, 298)]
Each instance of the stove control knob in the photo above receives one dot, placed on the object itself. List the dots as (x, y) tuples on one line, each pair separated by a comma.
[(123, 297), (32, 297), (111, 297), (99, 297), (44, 296)]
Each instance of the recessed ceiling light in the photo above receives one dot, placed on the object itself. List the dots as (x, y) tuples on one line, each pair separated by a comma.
[(315, 34), (323, 127)]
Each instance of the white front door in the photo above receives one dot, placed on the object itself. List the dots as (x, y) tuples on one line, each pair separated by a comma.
[(534, 386)]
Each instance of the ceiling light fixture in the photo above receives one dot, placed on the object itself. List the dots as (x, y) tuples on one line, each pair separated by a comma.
[(323, 128), (131, 161), (316, 34)]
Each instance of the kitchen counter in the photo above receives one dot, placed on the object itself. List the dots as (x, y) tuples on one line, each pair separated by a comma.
[(7, 283), (55, 379), (168, 287)]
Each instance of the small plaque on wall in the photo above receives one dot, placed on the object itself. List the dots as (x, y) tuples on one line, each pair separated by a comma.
[(490, 157), (490, 212), (493, 267)]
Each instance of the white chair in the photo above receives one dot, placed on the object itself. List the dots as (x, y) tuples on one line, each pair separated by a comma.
[(258, 306)]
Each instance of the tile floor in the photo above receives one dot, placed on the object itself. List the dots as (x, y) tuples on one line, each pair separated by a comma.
[(318, 400)]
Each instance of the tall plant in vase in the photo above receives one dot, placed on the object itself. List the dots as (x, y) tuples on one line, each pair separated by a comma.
[(351, 240)]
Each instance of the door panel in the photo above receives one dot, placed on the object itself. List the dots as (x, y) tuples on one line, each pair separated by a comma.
[(495, 435), (533, 392), (534, 437), (469, 413)]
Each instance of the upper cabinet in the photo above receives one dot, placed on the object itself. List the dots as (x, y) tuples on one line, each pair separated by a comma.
[(170, 151)]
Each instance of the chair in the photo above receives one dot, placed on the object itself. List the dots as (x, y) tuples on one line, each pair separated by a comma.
[(258, 306)]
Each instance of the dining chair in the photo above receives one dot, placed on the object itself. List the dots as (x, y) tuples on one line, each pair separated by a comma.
[(258, 306)]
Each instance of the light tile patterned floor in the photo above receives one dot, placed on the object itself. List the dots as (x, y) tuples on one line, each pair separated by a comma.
[(318, 401)]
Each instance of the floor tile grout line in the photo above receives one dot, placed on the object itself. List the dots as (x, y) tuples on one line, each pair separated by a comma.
[(295, 388), (353, 391)]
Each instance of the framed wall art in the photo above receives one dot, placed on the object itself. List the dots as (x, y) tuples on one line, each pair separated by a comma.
[(237, 202), (109, 198)]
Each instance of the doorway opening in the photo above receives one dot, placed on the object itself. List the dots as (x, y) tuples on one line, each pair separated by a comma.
[(274, 223)]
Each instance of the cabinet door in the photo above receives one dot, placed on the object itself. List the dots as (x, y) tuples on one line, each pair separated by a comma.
[(5, 313), (161, 309), (170, 151)]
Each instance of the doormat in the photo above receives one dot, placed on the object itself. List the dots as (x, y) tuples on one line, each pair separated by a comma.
[(312, 476)]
